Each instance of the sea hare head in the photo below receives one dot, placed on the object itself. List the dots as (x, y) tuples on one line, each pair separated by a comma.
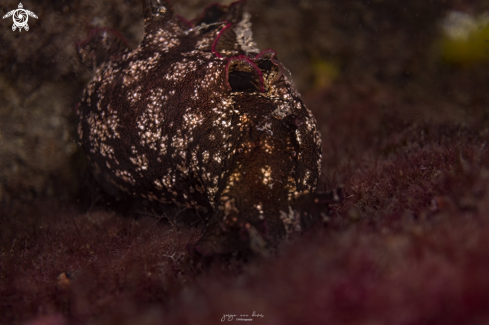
[(197, 116)]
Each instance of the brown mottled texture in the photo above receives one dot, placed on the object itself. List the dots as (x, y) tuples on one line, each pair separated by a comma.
[(198, 117)]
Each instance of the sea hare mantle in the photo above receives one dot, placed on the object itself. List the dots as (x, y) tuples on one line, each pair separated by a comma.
[(197, 116)]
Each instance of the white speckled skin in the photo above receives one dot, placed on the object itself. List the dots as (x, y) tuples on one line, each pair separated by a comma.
[(198, 117)]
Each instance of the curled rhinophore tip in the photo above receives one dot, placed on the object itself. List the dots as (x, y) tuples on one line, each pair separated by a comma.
[(225, 40), (268, 53), (243, 75), (271, 56), (235, 11)]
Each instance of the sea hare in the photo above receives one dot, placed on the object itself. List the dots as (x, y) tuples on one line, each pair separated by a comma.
[(198, 117)]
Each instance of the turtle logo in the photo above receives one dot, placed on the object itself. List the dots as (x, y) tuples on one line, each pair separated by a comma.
[(20, 17)]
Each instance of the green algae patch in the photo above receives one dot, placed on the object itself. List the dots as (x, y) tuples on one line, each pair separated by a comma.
[(465, 38)]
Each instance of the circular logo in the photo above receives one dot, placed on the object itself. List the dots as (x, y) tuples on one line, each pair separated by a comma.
[(20, 17)]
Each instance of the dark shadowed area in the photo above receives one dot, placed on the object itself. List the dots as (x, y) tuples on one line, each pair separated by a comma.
[(400, 91)]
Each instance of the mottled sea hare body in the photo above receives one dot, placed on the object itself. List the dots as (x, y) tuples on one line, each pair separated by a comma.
[(197, 116)]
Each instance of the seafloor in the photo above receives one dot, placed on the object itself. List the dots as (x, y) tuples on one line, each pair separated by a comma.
[(403, 108)]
